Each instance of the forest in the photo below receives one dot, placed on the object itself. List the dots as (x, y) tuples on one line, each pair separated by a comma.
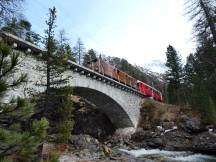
[(22, 131)]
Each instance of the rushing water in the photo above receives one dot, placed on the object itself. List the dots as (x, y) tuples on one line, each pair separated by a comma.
[(169, 156)]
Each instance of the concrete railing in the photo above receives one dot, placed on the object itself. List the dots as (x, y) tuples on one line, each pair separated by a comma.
[(18, 42), (99, 77)]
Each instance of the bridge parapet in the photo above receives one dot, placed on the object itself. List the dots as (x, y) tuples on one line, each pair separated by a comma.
[(95, 75)]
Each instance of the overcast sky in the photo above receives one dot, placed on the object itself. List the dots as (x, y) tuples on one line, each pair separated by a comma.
[(138, 30)]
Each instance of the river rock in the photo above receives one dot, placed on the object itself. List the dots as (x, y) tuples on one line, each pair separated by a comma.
[(177, 140), (123, 135), (205, 142), (84, 142), (155, 142), (192, 125), (168, 125), (142, 135)]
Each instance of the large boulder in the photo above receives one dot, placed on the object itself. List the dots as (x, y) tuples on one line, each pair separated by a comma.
[(147, 139), (155, 142), (85, 142), (168, 125), (192, 125), (142, 135), (177, 140), (205, 142)]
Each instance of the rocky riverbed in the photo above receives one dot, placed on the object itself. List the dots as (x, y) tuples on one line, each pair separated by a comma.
[(165, 134), (84, 148)]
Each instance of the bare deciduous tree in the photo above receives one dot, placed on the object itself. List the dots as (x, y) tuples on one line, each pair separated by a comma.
[(8, 8)]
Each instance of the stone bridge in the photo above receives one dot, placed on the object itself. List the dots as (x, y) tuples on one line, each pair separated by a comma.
[(118, 101)]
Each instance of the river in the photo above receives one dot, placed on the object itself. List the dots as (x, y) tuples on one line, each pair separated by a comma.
[(169, 156)]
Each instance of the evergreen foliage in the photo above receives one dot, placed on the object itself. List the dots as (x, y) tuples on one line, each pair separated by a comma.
[(64, 112), (56, 105), (22, 29), (173, 75), (8, 62), (19, 140), (199, 84), (203, 13), (53, 58), (58, 109), (189, 70), (200, 68), (66, 122), (64, 50), (90, 55)]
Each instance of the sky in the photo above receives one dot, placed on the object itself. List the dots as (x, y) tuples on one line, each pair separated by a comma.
[(137, 30)]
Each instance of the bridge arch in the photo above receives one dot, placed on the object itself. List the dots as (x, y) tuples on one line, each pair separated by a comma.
[(121, 107), (117, 115)]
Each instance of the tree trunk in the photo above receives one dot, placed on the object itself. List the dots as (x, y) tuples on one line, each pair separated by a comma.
[(210, 19)]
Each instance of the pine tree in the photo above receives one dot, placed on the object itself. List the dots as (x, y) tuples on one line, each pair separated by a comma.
[(201, 71), (16, 138), (22, 29), (90, 55), (64, 50), (189, 71), (207, 59), (54, 68), (188, 79), (8, 62), (55, 104), (18, 27), (196, 83), (204, 15), (173, 75)]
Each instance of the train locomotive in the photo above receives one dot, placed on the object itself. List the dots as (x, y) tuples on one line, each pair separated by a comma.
[(108, 70)]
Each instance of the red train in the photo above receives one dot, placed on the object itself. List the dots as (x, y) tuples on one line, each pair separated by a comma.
[(108, 70)]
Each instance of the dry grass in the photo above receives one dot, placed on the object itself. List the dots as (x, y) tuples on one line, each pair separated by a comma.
[(153, 112)]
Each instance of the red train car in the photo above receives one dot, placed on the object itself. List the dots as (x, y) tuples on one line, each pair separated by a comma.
[(106, 69), (149, 91)]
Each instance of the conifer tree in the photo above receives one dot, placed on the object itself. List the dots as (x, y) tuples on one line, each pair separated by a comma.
[(173, 74), (59, 114), (8, 62), (90, 55), (204, 15), (16, 138), (189, 71), (64, 50), (54, 68), (203, 89)]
